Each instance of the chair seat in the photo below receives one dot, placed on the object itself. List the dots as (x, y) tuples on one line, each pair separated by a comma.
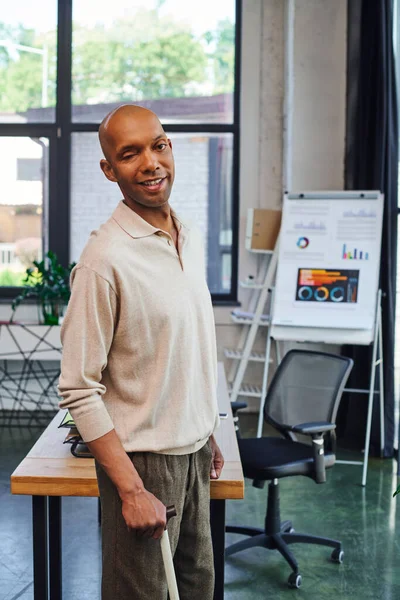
[(273, 458)]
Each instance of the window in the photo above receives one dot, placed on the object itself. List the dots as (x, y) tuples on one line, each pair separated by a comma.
[(178, 55), (28, 53), (22, 203), (177, 58)]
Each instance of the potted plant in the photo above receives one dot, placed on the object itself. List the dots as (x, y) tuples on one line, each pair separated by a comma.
[(48, 282)]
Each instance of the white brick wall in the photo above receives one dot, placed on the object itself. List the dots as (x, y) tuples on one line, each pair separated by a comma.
[(93, 197)]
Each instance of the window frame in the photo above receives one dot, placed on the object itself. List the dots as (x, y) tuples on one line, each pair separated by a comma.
[(60, 133)]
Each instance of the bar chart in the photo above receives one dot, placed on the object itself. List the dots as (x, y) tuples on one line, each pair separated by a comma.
[(354, 254)]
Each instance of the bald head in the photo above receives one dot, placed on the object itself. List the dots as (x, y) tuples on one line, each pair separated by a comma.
[(116, 121)]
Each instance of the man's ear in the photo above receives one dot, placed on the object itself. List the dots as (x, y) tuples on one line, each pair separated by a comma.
[(169, 143), (107, 170)]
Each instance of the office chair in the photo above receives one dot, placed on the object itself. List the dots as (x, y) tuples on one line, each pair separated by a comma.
[(303, 398)]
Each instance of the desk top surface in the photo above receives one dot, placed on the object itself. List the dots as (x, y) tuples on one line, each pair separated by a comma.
[(49, 469)]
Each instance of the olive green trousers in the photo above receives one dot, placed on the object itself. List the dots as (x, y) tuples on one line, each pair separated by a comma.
[(132, 565)]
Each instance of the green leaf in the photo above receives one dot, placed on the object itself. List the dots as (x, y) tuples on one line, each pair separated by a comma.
[(397, 492), (48, 283)]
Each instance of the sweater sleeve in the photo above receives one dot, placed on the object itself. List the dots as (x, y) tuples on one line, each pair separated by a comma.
[(86, 337)]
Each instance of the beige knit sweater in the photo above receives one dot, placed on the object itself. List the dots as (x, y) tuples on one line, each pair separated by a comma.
[(139, 348)]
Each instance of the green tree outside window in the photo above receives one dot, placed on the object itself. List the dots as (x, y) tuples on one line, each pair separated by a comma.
[(141, 57)]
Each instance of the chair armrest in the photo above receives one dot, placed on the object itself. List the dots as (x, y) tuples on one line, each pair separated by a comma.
[(316, 430), (235, 406), (313, 428)]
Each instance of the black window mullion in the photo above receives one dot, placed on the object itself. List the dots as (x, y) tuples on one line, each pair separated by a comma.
[(236, 156), (172, 127), (26, 130), (59, 203)]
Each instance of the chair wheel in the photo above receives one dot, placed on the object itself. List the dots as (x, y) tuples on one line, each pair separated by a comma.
[(337, 556), (294, 580)]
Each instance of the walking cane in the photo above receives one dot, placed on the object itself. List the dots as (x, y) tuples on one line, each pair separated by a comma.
[(167, 558)]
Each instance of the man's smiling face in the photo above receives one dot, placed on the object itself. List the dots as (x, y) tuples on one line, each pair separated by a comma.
[(138, 156)]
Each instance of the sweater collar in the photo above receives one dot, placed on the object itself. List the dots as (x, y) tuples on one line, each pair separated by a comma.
[(134, 225)]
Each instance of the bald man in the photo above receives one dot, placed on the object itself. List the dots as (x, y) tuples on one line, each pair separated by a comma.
[(139, 370)]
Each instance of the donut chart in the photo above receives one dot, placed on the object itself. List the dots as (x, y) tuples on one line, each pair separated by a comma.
[(303, 242), (321, 294)]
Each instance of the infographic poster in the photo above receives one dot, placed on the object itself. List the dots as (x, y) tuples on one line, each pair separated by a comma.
[(328, 263)]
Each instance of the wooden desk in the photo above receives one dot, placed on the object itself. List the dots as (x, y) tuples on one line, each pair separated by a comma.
[(49, 471)]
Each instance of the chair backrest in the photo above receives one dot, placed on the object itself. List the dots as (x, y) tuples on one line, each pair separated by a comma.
[(306, 387)]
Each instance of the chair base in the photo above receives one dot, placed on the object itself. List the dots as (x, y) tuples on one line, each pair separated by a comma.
[(279, 541), (279, 536)]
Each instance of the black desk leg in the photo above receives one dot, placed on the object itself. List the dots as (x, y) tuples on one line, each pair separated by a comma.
[(55, 560), (217, 517), (40, 553)]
